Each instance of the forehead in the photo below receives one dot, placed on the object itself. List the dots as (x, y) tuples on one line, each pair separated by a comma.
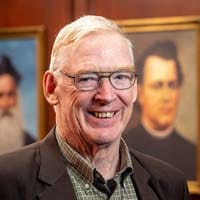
[(7, 82), (106, 51), (157, 68)]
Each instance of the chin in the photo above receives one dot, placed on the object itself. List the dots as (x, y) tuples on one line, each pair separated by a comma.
[(104, 141), (163, 126), (103, 135)]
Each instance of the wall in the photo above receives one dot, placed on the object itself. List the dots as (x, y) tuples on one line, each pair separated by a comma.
[(53, 14)]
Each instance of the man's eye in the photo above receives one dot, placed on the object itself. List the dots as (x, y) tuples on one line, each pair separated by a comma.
[(120, 76), (123, 76), (157, 85), (87, 78), (8, 94), (173, 84), (11, 94)]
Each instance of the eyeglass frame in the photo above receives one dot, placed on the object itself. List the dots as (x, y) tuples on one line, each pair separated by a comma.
[(99, 77)]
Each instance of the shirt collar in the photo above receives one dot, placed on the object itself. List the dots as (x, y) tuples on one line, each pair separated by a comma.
[(85, 169)]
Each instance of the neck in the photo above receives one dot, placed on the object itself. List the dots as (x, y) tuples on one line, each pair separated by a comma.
[(106, 160), (160, 134)]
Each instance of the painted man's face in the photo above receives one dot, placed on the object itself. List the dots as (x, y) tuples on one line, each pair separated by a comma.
[(8, 92), (159, 93)]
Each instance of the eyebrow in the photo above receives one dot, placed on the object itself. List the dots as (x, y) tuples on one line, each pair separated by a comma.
[(125, 68)]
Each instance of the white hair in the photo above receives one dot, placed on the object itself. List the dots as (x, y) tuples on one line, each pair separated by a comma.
[(73, 32)]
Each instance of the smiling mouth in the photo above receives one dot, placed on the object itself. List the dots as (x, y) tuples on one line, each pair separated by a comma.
[(103, 114)]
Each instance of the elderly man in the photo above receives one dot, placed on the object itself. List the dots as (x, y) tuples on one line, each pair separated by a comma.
[(12, 133), (91, 83)]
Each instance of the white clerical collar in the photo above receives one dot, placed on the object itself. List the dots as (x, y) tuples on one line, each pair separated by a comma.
[(159, 134)]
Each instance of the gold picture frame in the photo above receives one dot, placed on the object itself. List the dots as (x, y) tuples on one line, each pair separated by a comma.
[(25, 46), (185, 32)]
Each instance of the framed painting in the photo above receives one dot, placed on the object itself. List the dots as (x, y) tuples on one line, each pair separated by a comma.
[(25, 49), (165, 122)]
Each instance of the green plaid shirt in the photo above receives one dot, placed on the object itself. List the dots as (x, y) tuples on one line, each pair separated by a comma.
[(89, 184)]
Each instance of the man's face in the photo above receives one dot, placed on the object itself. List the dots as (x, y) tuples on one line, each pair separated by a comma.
[(99, 116), (8, 91), (159, 93)]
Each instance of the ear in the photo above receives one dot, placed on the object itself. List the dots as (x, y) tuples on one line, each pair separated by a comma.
[(49, 86)]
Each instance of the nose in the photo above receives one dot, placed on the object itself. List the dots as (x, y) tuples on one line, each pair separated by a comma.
[(105, 91), (7, 102), (166, 93)]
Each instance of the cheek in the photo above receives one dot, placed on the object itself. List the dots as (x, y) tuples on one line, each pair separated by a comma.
[(75, 103), (67, 101), (8, 101), (146, 97), (149, 101), (126, 102), (176, 97), (128, 98)]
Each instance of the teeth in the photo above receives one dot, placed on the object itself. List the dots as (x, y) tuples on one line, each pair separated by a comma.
[(104, 114)]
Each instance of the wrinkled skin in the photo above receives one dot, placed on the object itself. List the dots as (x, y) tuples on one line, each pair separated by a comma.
[(75, 109)]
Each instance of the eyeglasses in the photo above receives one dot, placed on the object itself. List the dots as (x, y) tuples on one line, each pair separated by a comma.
[(120, 80)]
